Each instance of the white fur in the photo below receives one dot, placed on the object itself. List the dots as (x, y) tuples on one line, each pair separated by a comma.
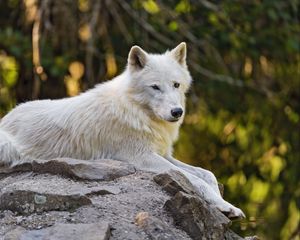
[(124, 119)]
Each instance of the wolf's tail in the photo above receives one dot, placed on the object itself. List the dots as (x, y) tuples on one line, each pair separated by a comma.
[(8, 152)]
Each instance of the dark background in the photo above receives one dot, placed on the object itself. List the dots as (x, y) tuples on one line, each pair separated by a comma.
[(243, 117)]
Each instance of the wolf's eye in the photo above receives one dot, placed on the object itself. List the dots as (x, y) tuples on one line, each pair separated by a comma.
[(155, 87), (176, 85)]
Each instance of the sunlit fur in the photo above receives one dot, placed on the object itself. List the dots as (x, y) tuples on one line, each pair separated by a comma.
[(123, 119)]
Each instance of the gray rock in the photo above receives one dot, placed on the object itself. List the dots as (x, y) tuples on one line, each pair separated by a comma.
[(155, 228), (196, 217), (28, 195), (173, 182), (230, 235), (130, 194), (190, 211), (102, 169), (116, 202), (92, 231), (26, 202), (14, 234), (55, 185)]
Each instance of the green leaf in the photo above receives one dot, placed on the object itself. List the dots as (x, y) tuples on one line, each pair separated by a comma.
[(173, 26), (151, 6), (183, 7)]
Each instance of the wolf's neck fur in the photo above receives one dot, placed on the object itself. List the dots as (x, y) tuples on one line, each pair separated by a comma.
[(114, 95)]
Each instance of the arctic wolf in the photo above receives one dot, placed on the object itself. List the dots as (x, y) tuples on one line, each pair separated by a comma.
[(135, 117)]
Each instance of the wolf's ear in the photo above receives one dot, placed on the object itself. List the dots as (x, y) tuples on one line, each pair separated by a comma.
[(137, 58), (179, 53)]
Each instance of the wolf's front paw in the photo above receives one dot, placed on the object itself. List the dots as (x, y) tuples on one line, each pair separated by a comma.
[(230, 211)]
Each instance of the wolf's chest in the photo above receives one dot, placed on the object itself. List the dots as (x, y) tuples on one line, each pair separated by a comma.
[(164, 139), (162, 147)]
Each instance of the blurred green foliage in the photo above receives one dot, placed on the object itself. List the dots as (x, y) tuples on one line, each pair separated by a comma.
[(243, 118)]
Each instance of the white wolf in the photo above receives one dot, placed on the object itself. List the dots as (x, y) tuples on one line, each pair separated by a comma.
[(135, 118)]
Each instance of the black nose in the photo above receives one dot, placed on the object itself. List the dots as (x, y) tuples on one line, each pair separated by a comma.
[(176, 112)]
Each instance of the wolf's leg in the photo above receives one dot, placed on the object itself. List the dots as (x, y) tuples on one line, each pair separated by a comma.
[(204, 174), (155, 163)]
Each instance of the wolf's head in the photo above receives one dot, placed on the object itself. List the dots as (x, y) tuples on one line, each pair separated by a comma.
[(158, 82)]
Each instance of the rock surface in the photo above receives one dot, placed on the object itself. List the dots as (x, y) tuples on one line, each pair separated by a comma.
[(173, 182), (103, 170), (190, 212), (92, 231), (196, 218), (35, 202), (27, 201), (154, 227)]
